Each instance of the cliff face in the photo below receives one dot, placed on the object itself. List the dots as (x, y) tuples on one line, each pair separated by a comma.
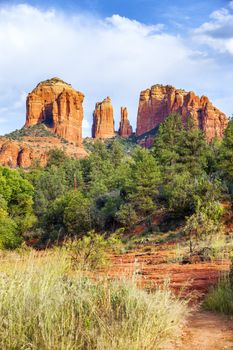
[(125, 128), (103, 120), (57, 105), (27, 151), (157, 103)]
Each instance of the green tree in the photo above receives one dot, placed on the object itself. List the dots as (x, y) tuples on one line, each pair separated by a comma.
[(142, 186), (56, 157), (77, 214), (9, 239), (179, 148), (205, 223), (50, 185), (192, 150), (184, 193), (226, 155), (18, 194), (126, 215), (166, 143)]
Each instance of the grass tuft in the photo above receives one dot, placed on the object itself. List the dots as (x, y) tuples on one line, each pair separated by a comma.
[(44, 305), (220, 298)]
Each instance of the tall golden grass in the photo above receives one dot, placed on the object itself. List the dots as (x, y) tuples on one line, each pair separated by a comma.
[(45, 306)]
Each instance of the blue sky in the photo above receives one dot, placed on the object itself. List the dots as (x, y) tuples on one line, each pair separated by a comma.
[(191, 13), (115, 48)]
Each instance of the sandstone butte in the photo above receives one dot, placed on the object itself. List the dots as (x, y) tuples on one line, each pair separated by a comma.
[(157, 103), (55, 107), (103, 120), (125, 128)]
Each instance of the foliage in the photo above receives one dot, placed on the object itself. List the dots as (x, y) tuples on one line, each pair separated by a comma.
[(126, 215), (142, 186), (120, 184), (92, 250), (8, 232), (39, 130), (177, 148), (16, 207), (184, 193), (226, 155), (204, 223)]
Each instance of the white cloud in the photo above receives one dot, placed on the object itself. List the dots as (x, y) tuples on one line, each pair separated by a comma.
[(218, 31), (115, 57)]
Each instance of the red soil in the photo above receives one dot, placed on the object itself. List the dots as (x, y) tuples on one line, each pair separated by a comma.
[(154, 268)]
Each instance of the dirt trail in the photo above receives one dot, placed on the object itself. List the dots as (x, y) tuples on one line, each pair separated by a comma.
[(205, 331)]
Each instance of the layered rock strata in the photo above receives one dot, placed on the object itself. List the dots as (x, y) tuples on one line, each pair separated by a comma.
[(57, 105), (125, 128), (30, 151), (103, 120), (157, 103)]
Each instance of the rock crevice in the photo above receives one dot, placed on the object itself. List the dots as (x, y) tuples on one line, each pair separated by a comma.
[(125, 128), (157, 103), (57, 105)]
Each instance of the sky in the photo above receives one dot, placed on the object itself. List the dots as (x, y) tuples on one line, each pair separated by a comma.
[(114, 48)]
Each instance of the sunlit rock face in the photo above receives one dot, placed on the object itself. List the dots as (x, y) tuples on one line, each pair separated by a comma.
[(125, 128), (53, 121), (157, 103), (57, 105), (30, 151), (103, 120)]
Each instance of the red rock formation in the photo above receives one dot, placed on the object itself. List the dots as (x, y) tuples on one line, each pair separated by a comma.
[(57, 105), (103, 120), (157, 103), (125, 129), (26, 152)]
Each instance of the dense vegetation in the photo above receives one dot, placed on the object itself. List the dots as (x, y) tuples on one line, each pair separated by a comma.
[(117, 187)]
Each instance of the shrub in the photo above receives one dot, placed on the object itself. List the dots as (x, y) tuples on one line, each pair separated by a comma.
[(126, 215), (204, 224), (8, 232), (92, 250)]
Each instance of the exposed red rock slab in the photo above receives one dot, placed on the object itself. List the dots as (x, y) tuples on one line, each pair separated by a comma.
[(26, 152), (103, 120), (125, 128), (153, 269), (157, 103), (57, 105)]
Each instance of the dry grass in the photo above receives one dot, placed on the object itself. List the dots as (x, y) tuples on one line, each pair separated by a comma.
[(43, 305)]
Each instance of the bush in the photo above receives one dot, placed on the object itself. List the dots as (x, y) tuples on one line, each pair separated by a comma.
[(126, 215), (42, 308), (8, 232), (92, 251), (204, 224)]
